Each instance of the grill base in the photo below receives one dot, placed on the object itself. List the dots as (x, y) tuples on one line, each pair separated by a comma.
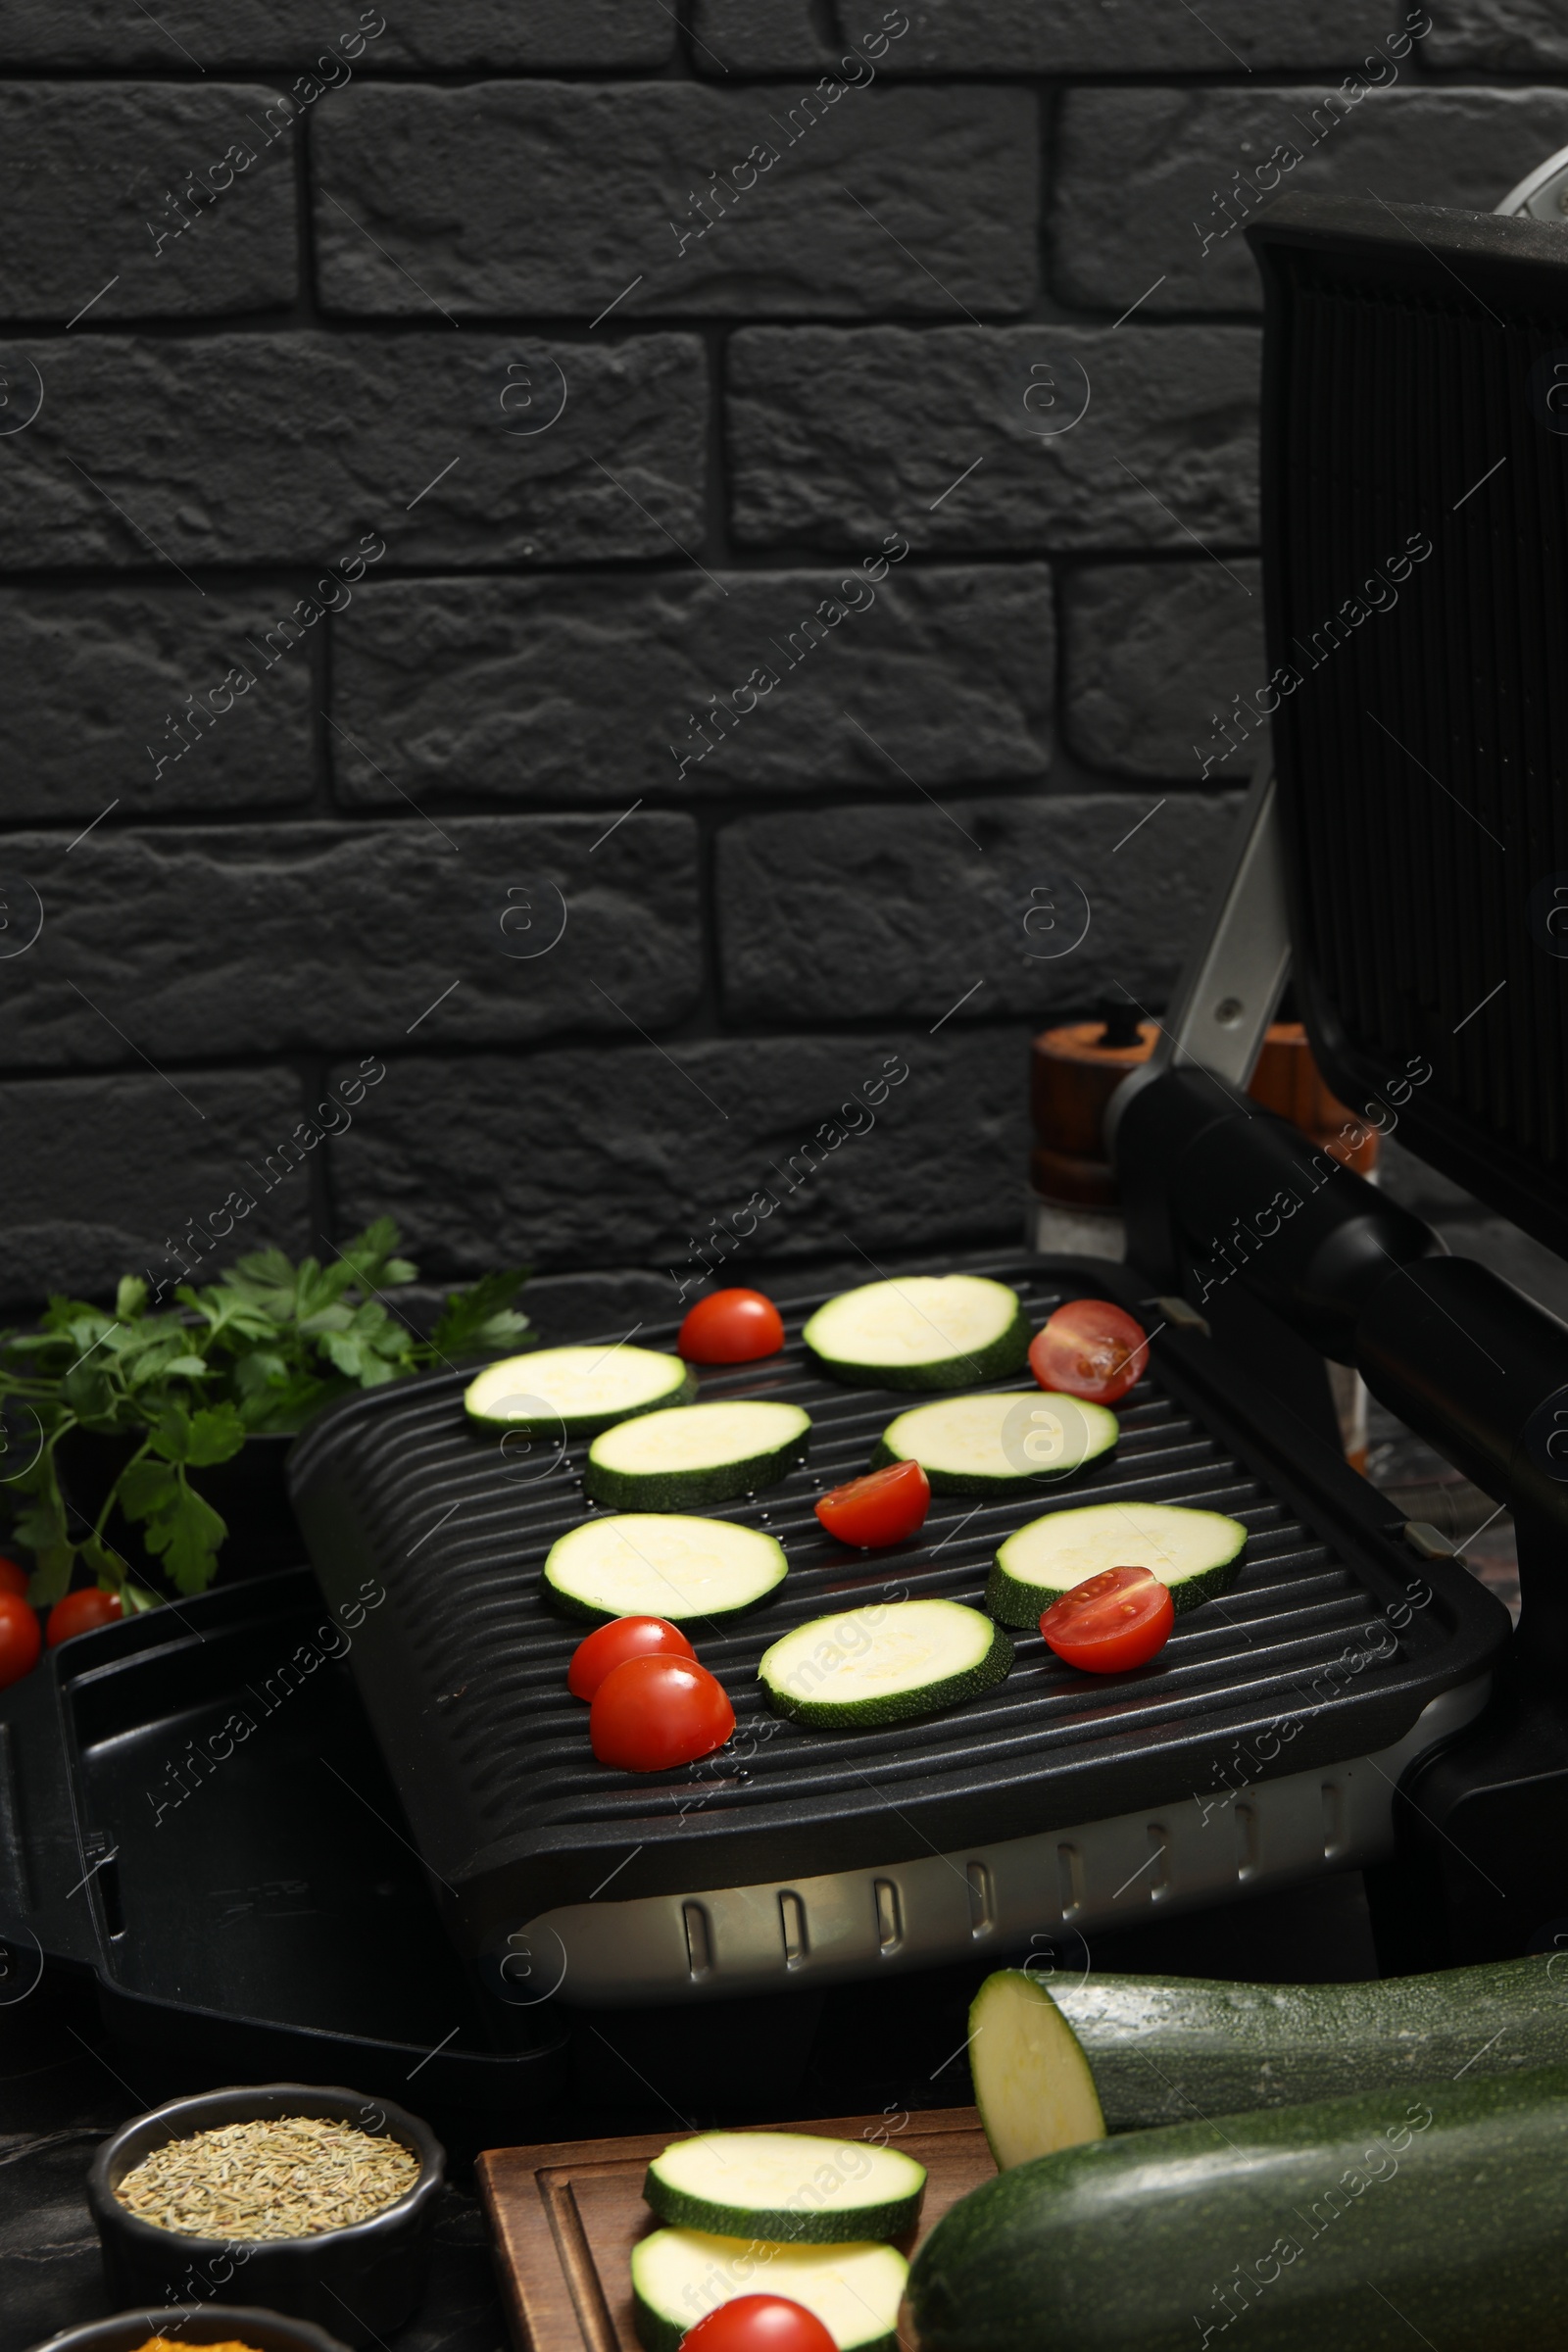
[(1326, 1648), (984, 1901)]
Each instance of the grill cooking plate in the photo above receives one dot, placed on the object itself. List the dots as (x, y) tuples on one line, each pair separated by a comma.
[(1335, 1640)]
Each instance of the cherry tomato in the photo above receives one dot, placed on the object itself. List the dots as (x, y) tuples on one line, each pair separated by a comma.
[(613, 1644), (759, 2324), (731, 1327), (21, 1639), (13, 1579), (1110, 1622), (882, 1508), (651, 1712), (82, 1613), (1090, 1349)]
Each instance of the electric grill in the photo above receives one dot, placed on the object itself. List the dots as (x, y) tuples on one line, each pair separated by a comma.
[(1336, 1707)]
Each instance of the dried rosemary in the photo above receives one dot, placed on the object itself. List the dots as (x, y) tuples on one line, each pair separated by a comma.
[(289, 2176)]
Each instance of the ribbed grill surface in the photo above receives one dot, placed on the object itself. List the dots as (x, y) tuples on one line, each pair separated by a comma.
[(1425, 757), (465, 1669)]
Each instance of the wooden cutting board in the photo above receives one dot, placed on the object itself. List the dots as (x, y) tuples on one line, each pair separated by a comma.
[(565, 2216)]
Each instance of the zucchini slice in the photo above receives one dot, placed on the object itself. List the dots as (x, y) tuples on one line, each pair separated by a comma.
[(571, 1392), (1197, 1553), (678, 2276), (924, 1331), (989, 1444), (787, 2186), (654, 1564), (1031, 2083), (884, 1662), (701, 1453)]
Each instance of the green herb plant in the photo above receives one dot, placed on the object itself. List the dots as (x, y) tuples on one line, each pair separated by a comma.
[(262, 1348)]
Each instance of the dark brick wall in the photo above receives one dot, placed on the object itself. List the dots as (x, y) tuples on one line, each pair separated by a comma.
[(547, 574)]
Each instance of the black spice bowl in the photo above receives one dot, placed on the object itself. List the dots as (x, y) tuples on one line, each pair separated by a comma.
[(195, 2324), (359, 2282)]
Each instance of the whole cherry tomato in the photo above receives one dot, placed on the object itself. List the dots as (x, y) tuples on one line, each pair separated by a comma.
[(613, 1644), (82, 1613), (881, 1508), (1090, 1349), (13, 1579), (1110, 1622), (21, 1639), (759, 2324), (651, 1712), (731, 1327)]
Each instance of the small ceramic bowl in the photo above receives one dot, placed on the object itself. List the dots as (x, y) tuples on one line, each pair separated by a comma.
[(193, 2324), (358, 2282)]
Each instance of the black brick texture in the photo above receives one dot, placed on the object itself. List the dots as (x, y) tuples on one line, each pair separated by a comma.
[(622, 563), (565, 686), (477, 198)]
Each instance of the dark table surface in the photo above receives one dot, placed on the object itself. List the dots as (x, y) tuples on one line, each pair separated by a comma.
[(64, 2086)]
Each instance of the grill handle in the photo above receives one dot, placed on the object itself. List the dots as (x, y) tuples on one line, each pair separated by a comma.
[(1216, 1189)]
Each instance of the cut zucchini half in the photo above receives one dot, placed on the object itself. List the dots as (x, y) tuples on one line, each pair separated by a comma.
[(678, 2276), (1031, 2083), (1197, 1553), (924, 1331), (789, 2186), (701, 1453), (656, 1564), (571, 1392), (884, 1662), (997, 1443)]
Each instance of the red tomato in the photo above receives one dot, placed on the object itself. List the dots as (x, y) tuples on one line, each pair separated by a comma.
[(82, 1613), (1090, 1349), (13, 1579), (651, 1712), (21, 1639), (759, 2324), (882, 1508), (1110, 1622), (613, 1644), (731, 1327)]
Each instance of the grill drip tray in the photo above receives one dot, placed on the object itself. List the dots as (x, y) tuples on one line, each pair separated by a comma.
[(192, 1807), (1262, 1745)]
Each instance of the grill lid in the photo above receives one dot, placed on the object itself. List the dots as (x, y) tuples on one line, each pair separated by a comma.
[(1334, 1627), (1415, 502)]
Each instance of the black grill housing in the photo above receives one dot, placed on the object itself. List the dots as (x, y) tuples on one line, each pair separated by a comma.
[(1423, 761), (463, 1669)]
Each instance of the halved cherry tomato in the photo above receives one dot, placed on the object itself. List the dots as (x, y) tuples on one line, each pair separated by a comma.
[(731, 1327), (759, 2324), (13, 1579), (1090, 1349), (21, 1639), (651, 1712), (881, 1508), (1110, 1622), (613, 1644), (82, 1613)]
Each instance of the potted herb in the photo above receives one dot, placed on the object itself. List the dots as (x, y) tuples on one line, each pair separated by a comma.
[(160, 1418)]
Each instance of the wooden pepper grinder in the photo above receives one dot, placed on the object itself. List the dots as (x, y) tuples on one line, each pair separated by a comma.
[(1074, 1072)]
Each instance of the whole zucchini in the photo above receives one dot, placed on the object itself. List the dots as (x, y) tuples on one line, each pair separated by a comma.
[(1434, 2214), (1163, 2050)]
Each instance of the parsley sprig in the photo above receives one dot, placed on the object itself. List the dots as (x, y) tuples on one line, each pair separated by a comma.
[(262, 1348)]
